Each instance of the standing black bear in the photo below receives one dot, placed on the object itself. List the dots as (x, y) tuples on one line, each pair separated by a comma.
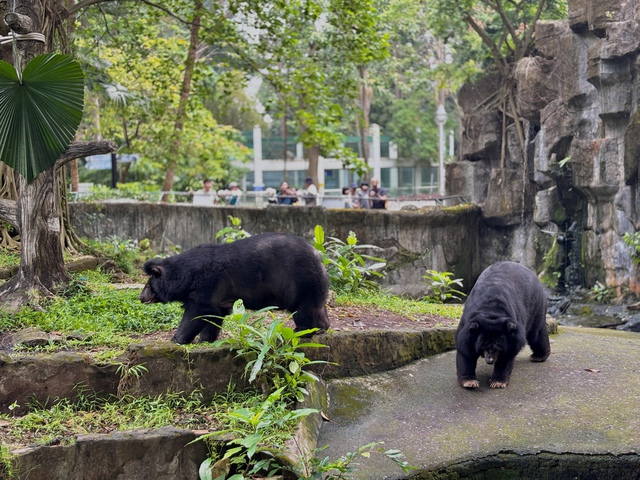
[(506, 308), (273, 269)]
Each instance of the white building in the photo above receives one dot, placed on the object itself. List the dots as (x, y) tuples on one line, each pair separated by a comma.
[(400, 177)]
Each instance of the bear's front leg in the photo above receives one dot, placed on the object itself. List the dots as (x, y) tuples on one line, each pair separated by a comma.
[(502, 372), (466, 369), (190, 325)]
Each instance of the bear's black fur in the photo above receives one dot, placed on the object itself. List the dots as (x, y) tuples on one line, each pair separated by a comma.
[(506, 308), (272, 269)]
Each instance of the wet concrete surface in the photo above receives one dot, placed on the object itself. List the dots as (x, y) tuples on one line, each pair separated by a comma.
[(584, 399)]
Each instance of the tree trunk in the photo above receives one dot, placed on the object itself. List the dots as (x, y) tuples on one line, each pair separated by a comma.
[(366, 95), (174, 150), (314, 153), (37, 213)]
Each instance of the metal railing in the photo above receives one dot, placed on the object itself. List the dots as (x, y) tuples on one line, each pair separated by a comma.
[(261, 199)]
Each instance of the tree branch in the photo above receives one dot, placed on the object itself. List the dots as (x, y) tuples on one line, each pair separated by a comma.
[(85, 149), (8, 210), (19, 23), (84, 4)]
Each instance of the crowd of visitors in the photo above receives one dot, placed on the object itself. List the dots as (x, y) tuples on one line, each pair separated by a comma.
[(366, 196)]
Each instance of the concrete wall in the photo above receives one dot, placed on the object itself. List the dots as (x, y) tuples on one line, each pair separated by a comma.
[(444, 239)]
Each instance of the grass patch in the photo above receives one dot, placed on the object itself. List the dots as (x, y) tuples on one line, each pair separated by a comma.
[(88, 414), (101, 313), (400, 305)]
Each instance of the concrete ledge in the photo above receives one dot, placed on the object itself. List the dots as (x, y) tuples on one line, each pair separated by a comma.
[(163, 454), (172, 368)]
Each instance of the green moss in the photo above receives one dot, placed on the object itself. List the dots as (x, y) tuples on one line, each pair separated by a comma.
[(585, 311), (351, 401), (462, 208), (551, 272)]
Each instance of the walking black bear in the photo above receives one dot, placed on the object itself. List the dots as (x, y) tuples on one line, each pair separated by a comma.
[(272, 269), (506, 308)]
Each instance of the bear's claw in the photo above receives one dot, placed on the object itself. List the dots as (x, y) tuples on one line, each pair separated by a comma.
[(497, 384), (470, 384)]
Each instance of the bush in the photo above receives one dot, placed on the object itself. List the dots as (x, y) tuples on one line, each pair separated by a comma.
[(442, 286), (348, 270)]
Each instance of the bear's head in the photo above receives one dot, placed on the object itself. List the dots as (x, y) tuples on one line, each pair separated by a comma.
[(494, 339)]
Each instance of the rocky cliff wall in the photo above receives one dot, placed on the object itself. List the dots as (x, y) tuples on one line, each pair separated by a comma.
[(563, 203)]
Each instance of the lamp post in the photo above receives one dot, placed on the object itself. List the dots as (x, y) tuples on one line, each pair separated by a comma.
[(441, 118)]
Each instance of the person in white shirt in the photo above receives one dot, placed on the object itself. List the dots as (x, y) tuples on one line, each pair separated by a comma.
[(310, 192)]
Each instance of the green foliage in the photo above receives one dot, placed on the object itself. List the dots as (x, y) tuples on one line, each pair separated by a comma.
[(342, 468), (40, 110), (259, 432), (275, 363), (348, 270), (413, 309), (89, 413), (9, 259), (600, 293), (135, 75), (98, 311), (143, 191), (551, 272), (127, 254), (6, 462), (272, 351), (443, 287), (233, 232), (632, 240)]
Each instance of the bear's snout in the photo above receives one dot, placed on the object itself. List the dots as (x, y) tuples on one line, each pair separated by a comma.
[(490, 357)]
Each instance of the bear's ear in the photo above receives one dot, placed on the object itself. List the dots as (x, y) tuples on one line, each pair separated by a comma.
[(153, 269), (474, 326), (511, 327), (156, 271)]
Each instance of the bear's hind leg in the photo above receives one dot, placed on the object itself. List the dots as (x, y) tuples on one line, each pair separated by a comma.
[(308, 318), (540, 344), (213, 324)]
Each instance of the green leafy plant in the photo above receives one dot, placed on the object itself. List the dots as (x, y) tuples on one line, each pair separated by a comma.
[(97, 312), (442, 286), (348, 269), (126, 253), (128, 375), (564, 161), (272, 350), (6, 462), (632, 240), (600, 293), (258, 435), (233, 232), (342, 468), (40, 110), (88, 412), (276, 364)]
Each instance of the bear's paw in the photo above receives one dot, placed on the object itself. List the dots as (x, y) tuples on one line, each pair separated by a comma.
[(470, 383), (497, 384)]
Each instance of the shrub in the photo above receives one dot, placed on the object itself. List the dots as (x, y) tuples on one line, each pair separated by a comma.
[(348, 270), (442, 286)]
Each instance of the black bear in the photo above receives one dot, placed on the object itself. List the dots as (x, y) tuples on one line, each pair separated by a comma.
[(272, 269), (506, 308)]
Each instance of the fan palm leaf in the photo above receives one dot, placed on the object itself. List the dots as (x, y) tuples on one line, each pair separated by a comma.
[(40, 111)]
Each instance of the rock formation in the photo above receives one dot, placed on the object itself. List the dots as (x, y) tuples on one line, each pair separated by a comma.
[(564, 204)]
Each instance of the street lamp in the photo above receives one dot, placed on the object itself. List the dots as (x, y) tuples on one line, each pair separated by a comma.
[(441, 119)]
